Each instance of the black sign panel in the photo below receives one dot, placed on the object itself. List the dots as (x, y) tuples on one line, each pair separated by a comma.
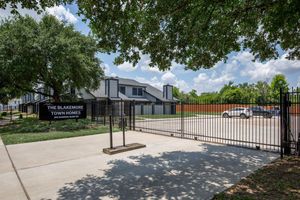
[(61, 111)]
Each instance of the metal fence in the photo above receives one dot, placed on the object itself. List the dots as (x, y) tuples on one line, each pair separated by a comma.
[(272, 126), (290, 122), (7, 108), (225, 123), (100, 112)]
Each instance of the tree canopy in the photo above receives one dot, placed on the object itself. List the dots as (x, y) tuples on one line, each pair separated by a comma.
[(260, 92), (37, 5), (194, 33), (278, 82), (48, 54)]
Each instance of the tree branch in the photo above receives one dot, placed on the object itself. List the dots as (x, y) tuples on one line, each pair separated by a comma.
[(32, 90)]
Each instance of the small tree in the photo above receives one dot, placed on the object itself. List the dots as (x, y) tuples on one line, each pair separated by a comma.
[(262, 92), (193, 95), (178, 94), (233, 95), (48, 54), (278, 82)]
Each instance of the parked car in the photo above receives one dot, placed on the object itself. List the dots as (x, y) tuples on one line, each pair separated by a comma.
[(275, 111), (260, 111), (237, 112)]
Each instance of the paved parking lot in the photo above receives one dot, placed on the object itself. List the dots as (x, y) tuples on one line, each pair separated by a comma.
[(168, 168), (252, 132)]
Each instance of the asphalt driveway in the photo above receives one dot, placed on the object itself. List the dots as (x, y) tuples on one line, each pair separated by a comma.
[(168, 168)]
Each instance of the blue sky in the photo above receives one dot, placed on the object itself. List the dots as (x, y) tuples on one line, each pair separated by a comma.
[(238, 68)]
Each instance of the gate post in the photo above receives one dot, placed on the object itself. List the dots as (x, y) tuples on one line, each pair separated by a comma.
[(133, 117), (286, 125), (182, 118), (110, 132), (130, 115), (281, 123), (92, 111)]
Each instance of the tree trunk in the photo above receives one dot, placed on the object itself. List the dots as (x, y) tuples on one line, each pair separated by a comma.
[(56, 96)]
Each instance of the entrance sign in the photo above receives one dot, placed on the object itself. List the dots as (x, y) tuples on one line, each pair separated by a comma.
[(61, 111)]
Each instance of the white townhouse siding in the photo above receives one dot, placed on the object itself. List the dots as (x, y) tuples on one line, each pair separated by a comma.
[(12, 104), (147, 99)]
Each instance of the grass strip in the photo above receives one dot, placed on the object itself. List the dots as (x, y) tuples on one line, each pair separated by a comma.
[(43, 136), (278, 180)]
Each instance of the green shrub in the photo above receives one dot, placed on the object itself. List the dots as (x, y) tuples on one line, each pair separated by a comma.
[(3, 114), (33, 125), (20, 116)]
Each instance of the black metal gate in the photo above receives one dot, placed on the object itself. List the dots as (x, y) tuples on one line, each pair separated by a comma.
[(272, 126), (206, 121), (101, 111), (290, 122)]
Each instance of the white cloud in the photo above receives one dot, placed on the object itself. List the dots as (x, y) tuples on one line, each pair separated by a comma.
[(177, 67), (241, 67), (216, 77), (145, 61), (169, 78), (166, 78), (154, 81), (106, 69), (214, 82), (172, 79), (113, 75), (127, 67), (264, 71), (144, 65), (147, 68), (62, 14), (298, 84)]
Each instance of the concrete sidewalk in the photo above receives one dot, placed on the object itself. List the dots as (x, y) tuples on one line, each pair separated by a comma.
[(10, 187), (168, 168)]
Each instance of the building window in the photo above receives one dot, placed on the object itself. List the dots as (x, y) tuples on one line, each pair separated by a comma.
[(134, 91), (140, 92), (137, 91), (122, 89)]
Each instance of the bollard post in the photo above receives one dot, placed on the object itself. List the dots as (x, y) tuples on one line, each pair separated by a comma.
[(123, 127), (182, 118), (110, 132)]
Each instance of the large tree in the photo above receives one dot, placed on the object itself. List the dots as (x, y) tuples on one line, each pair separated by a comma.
[(195, 33), (48, 54), (37, 5)]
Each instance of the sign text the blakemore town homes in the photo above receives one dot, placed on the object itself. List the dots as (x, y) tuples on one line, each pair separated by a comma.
[(60, 111)]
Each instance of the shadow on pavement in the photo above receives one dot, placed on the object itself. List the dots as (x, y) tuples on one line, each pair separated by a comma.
[(171, 175)]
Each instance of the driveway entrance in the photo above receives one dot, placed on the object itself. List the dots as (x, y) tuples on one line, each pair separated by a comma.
[(168, 168)]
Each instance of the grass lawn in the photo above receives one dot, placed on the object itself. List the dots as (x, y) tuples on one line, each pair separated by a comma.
[(32, 130), (278, 180)]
